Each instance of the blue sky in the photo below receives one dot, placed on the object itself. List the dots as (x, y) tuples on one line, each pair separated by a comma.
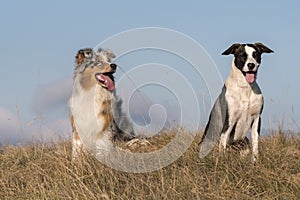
[(40, 39)]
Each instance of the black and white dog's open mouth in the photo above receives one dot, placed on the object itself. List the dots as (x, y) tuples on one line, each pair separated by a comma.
[(250, 76)]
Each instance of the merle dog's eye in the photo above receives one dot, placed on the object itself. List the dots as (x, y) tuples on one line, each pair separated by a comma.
[(99, 62)]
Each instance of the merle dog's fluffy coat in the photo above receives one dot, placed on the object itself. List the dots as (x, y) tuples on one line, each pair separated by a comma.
[(96, 113)]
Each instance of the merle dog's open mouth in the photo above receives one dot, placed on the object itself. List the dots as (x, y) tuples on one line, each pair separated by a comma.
[(250, 76), (106, 80)]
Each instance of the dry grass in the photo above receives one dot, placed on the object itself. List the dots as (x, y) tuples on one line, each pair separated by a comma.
[(46, 171)]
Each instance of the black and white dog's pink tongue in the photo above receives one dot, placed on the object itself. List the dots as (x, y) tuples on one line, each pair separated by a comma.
[(106, 81), (250, 77)]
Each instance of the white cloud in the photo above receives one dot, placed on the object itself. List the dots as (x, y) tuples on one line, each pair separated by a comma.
[(13, 130), (52, 96)]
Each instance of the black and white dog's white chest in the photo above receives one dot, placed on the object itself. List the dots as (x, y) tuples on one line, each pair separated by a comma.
[(244, 105)]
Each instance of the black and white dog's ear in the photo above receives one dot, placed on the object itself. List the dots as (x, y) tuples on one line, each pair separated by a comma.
[(82, 54), (263, 48), (232, 49)]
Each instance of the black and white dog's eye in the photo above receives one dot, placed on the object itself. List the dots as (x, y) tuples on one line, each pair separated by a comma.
[(242, 55)]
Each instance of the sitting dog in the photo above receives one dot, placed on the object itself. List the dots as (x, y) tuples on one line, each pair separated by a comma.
[(96, 115), (240, 104)]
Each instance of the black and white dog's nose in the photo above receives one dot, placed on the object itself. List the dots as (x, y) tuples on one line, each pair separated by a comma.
[(113, 66), (251, 66)]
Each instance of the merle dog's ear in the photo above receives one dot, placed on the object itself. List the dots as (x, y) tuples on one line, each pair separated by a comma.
[(82, 54), (108, 53), (232, 49), (262, 48)]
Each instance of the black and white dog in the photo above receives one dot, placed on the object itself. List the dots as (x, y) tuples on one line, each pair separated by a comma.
[(239, 106)]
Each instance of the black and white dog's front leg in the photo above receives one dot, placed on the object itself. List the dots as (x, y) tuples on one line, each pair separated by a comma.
[(224, 139), (255, 132)]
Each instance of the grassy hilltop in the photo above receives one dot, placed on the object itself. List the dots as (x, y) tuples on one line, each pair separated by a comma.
[(45, 171)]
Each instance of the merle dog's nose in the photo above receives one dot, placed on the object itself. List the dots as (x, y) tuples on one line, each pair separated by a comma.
[(251, 66), (113, 66)]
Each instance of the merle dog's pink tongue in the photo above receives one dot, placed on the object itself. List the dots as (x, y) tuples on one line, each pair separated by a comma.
[(107, 81), (250, 77)]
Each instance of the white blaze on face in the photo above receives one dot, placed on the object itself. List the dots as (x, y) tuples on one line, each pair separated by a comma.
[(250, 74), (250, 59)]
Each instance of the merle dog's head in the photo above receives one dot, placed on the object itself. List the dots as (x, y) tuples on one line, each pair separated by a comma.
[(247, 58), (95, 67)]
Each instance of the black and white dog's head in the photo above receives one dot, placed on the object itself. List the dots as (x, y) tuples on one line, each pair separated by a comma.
[(247, 58)]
